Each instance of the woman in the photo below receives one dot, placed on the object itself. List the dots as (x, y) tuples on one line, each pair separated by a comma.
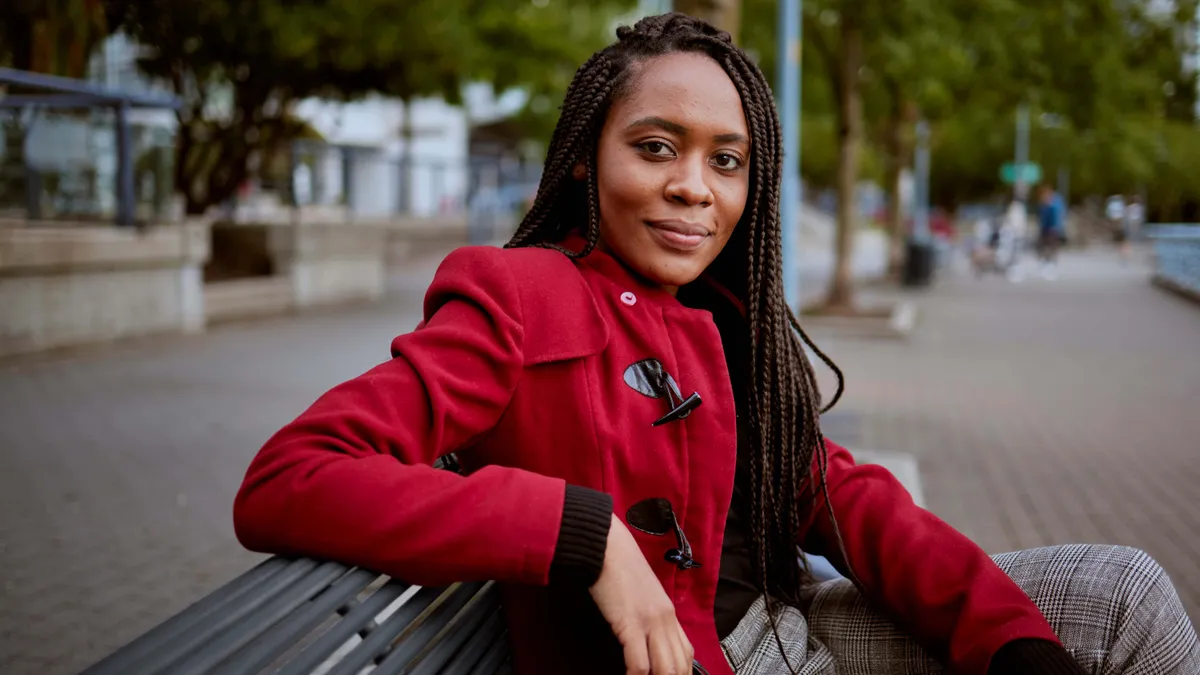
[(625, 387)]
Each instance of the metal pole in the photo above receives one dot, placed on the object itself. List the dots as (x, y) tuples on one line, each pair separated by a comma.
[(788, 92), (348, 163), (125, 194), (921, 160), (1021, 152)]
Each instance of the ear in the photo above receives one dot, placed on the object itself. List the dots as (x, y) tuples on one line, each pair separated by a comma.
[(579, 172)]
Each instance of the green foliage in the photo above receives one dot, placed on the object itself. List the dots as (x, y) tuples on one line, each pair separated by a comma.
[(1113, 72), (241, 66), (538, 46), (51, 36)]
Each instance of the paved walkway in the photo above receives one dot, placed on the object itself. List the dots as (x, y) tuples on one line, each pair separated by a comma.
[(1047, 412), (1039, 413)]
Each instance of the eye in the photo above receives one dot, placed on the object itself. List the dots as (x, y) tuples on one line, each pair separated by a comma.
[(727, 162), (656, 148)]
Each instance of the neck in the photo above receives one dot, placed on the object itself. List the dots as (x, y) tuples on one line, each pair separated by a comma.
[(603, 246)]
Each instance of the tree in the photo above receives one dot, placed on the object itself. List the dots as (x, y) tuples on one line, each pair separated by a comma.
[(51, 36), (1113, 71), (888, 64), (724, 14), (540, 51), (241, 67), (838, 29), (913, 65)]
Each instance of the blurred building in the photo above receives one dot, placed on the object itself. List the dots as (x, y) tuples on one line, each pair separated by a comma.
[(376, 158)]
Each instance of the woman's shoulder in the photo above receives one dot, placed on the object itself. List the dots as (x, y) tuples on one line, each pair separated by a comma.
[(541, 288), (524, 265)]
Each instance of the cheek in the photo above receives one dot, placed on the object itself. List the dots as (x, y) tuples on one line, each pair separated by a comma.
[(733, 203), (623, 181)]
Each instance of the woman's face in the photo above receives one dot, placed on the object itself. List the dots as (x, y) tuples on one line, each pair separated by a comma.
[(673, 168)]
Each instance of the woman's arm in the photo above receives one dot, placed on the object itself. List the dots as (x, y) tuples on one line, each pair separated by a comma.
[(939, 585), (350, 479)]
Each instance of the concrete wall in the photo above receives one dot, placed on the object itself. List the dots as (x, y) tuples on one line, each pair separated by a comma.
[(71, 284), (65, 285), (314, 263), (330, 263), (248, 298)]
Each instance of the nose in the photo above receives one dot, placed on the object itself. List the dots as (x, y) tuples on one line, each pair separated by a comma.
[(688, 183)]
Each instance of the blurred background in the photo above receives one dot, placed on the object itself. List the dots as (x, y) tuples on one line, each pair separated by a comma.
[(212, 211)]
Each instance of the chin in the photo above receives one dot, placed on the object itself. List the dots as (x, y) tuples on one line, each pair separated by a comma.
[(670, 271)]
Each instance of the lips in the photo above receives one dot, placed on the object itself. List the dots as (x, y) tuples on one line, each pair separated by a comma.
[(679, 234)]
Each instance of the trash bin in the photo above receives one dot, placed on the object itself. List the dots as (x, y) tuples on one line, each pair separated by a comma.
[(919, 263)]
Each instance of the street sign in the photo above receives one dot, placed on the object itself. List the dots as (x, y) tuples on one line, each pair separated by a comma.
[(1029, 173)]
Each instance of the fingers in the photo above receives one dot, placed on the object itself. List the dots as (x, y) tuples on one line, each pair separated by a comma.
[(689, 652), (665, 651), (637, 657), (681, 665), (681, 647), (670, 650)]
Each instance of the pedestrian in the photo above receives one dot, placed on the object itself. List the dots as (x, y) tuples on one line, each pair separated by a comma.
[(1130, 225), (1012, 241), (627, 391), (1052, 230)]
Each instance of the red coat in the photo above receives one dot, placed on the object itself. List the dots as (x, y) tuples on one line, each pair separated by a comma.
[(519, 367)]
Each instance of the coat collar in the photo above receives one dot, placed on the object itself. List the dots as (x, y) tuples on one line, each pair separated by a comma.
[(615, 271), (618, 273)]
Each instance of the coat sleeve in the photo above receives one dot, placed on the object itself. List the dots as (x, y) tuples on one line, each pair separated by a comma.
[(351, 478), (933, 581)]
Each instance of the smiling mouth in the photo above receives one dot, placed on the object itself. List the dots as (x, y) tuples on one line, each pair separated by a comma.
[(679, 235)]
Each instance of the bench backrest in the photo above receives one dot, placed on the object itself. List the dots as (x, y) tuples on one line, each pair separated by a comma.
[(300, 616)]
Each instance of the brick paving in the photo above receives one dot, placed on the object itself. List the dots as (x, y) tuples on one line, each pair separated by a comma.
[(1047, 412), (1039, 413)]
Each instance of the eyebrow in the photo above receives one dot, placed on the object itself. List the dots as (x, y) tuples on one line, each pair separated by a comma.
[(676, 128), (731, 138)]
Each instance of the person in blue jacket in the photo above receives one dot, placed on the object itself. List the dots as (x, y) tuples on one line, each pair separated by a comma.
[(1052, 229)]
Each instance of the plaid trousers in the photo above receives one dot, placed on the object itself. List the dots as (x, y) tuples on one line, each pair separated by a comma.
[(1113, 607)]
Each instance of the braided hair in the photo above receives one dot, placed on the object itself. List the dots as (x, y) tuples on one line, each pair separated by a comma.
[(783, 400)]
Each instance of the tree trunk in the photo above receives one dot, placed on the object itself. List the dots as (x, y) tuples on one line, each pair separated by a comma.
[(841, 290), (213, 160), (898, 147), (724, 14), (893, 171)]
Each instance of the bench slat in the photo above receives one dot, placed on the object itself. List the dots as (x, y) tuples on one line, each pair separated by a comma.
[(228, 600), (219, 641), (361, 615), (416, 632), (496, 658), (452, 630), (378, 641), (464, 662), (300, 616), (270, 645)]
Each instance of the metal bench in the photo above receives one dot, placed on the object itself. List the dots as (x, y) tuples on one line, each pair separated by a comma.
[(301, 616)]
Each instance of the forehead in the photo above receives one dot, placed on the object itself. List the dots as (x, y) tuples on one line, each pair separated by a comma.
[(688, 88)]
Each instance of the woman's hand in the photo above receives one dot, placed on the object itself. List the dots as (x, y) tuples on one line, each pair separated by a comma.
[(642, 617)]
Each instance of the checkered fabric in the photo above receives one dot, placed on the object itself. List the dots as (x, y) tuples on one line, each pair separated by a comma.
[(1113, 607)]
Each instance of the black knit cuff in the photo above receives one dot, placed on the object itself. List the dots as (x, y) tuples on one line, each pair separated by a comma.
[(583, 537), (1034, 657)]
